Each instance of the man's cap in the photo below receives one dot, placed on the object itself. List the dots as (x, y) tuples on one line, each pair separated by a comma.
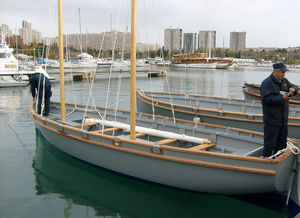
[(280, 66)]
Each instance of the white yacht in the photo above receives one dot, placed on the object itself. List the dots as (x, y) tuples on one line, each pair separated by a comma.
[(8, 62), (10, 72)]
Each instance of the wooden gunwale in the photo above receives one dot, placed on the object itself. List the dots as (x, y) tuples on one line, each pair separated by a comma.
[(43, 122), (175, 108), (253, 86)]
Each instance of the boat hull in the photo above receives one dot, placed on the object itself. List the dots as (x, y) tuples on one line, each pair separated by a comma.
[(174, 174), (174, 167)]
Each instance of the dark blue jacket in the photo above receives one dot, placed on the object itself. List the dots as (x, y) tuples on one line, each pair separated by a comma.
[(275, 109), (35, 81)]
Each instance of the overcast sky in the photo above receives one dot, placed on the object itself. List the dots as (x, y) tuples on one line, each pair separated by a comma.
[(267, 23)]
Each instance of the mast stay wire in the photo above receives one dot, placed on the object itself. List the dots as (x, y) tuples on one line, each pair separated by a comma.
[(148, 54), (113, 56), (122, 61), (164, 68), (90, 85)]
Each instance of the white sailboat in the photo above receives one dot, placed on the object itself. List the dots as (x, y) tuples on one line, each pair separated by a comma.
[(186, 155)]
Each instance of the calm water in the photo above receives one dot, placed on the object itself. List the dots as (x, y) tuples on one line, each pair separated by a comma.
[(36, 180)]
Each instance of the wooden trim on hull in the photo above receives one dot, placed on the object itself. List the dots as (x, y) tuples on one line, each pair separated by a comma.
[(41, 121)]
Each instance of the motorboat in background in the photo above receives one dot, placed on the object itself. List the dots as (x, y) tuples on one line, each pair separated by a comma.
[(9, 65), (10, 71), (197, 60), (200, 61)]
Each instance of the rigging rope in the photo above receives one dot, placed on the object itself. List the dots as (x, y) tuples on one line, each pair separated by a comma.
[(111, 66), (164, 70), (289, 146), (122, 64)]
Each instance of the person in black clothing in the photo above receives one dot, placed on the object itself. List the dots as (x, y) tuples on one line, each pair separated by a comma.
[(275, 93), (37, 82)]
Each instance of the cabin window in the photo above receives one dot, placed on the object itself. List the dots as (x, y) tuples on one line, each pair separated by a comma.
[(2, 55)]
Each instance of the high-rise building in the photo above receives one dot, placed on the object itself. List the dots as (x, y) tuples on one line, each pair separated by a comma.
[(207, 40), (173, 39), (190, 42), (37, 36), (28, 34), (237, 41)]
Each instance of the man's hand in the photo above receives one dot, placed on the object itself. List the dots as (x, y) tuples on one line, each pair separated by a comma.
[(291, 91)]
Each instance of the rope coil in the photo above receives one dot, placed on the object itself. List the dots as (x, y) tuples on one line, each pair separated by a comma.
[(289, 146)]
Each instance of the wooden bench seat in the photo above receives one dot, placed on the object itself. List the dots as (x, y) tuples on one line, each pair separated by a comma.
[(165, 141), (107, 130), (85, 124), (201, 147), (140, 134)]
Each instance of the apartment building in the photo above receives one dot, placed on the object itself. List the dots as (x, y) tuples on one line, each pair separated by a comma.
[(207, 40), (237, 41), (190, 42), (173, 39)]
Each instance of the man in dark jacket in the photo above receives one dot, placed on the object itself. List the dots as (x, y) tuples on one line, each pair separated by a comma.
[(275, 93), (38, 81)]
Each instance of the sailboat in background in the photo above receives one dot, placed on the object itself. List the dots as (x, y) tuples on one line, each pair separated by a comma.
[(186, 155)]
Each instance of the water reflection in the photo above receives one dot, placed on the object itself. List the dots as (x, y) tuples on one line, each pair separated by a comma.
[(111, 195)]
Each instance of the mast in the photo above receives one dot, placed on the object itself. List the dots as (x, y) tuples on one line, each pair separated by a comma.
[(80, 36), (209, 50), (133, 70), (61, 62)]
